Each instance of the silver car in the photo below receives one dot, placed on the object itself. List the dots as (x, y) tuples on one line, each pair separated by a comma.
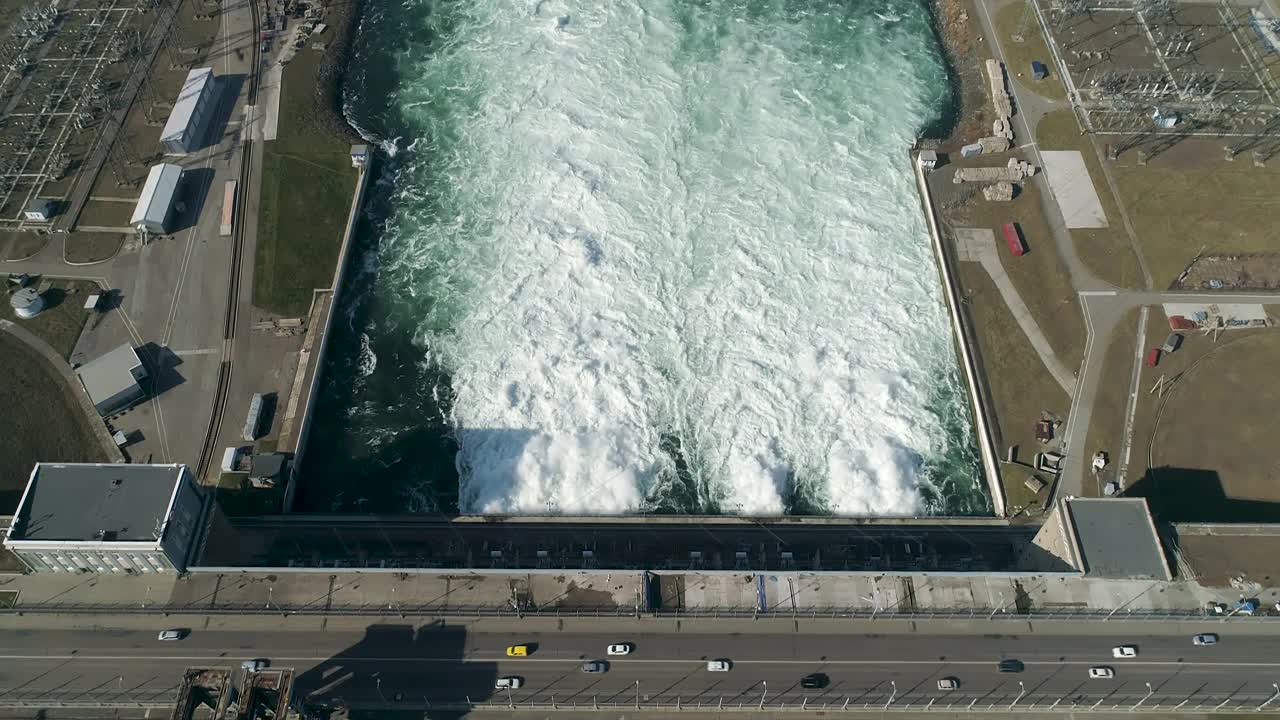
[(1204, 639), (595, 666)]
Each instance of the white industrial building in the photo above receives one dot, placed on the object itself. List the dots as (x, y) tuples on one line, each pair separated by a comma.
[(154, 210), (107, 518), (186, 127), (112, 381)]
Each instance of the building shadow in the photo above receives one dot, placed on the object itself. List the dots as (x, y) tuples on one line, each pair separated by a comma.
[(398, 671), (193, 193), (161, 364), (227, 88), (1177, 494)]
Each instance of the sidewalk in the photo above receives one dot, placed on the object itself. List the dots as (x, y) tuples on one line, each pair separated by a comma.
[(1041, 597), (979, 245)]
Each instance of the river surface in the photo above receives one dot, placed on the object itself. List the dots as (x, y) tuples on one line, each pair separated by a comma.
[(644, 257)]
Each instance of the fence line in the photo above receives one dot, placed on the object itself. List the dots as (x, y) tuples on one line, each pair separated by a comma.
[(386, 609)]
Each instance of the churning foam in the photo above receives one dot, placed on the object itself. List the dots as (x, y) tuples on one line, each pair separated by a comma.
[(671, 255)]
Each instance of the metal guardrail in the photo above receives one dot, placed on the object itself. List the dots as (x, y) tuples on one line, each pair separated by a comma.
[(389, 609)]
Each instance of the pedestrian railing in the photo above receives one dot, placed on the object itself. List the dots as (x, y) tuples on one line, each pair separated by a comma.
[(392, 609)]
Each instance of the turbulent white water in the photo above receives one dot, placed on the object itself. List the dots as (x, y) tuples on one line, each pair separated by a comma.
[(671, 255)]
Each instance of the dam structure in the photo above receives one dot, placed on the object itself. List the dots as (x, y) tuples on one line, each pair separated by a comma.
[(704, 288)]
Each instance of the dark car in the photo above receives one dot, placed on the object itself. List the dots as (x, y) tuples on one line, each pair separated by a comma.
[(1010, 666), (595, 666), (814, 681)]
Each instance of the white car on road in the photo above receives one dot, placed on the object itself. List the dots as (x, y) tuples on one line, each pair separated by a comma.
[(719, 665), (1124, 651), (1101, 673), (619, 649), (511, 682), (1204, 639)]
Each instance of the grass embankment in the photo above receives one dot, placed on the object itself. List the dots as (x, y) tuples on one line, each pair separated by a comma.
[(63, 317), (1018, 55), (1106, 251), (87, 247), (1020, 386), (1040, 276), (1189, 199), (43, 420), (1202, 453), (307, 184)]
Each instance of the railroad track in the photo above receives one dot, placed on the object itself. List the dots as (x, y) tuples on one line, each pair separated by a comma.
[(232, 309)]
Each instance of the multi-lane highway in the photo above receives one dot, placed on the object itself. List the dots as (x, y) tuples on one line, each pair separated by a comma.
[(416, 665)]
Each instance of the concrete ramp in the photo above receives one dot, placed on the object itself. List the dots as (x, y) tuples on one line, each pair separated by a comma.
[(1073, 189)]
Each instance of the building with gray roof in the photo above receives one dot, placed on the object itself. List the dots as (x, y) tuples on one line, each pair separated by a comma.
[(113, 380), (106, 518), (1116, 538)]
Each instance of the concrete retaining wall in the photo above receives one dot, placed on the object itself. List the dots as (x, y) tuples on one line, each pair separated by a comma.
[(339, 277), (982, 412)]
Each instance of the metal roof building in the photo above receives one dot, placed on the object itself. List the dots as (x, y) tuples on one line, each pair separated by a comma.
[(155, 206), (186, 127), (112, 380), (106, 518), (1116, 538)]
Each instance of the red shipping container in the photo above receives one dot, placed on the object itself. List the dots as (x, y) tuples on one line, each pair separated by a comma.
[(1014, 238), (1153, 357), (1178, 322)]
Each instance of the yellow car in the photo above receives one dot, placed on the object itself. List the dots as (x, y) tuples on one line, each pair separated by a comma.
[(518, 651)]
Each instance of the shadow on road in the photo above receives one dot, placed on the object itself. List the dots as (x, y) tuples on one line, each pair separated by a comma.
[(397, 671)]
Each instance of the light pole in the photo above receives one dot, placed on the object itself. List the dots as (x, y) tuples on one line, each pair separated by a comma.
[(1022, 690), (764, 693), (893, 694), (511, 703), (1150, 692), (997, 608), (270, 589), (1273, 697), (637, 694)]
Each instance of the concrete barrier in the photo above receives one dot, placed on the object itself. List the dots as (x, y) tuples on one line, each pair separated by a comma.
[(973, 378)]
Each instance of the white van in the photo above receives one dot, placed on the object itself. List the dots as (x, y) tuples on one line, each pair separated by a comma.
[(512, 682)]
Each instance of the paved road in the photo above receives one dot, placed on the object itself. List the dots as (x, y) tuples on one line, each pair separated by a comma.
[(401, 663)]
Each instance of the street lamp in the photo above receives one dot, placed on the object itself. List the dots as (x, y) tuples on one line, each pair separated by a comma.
[(1273, 697), (764, 693), (1150, 692), (893, 694), (1022, 690)]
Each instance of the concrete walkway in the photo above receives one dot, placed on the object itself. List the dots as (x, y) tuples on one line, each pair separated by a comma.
[(979, 245)]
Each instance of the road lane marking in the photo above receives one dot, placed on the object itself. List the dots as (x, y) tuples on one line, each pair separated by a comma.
[(575, 661)]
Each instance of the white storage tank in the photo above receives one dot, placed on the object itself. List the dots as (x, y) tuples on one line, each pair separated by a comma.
[(26, 303)]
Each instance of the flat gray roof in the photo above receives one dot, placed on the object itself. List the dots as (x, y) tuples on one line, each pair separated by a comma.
[(81, 502), (1117, 538), (108, 375)]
